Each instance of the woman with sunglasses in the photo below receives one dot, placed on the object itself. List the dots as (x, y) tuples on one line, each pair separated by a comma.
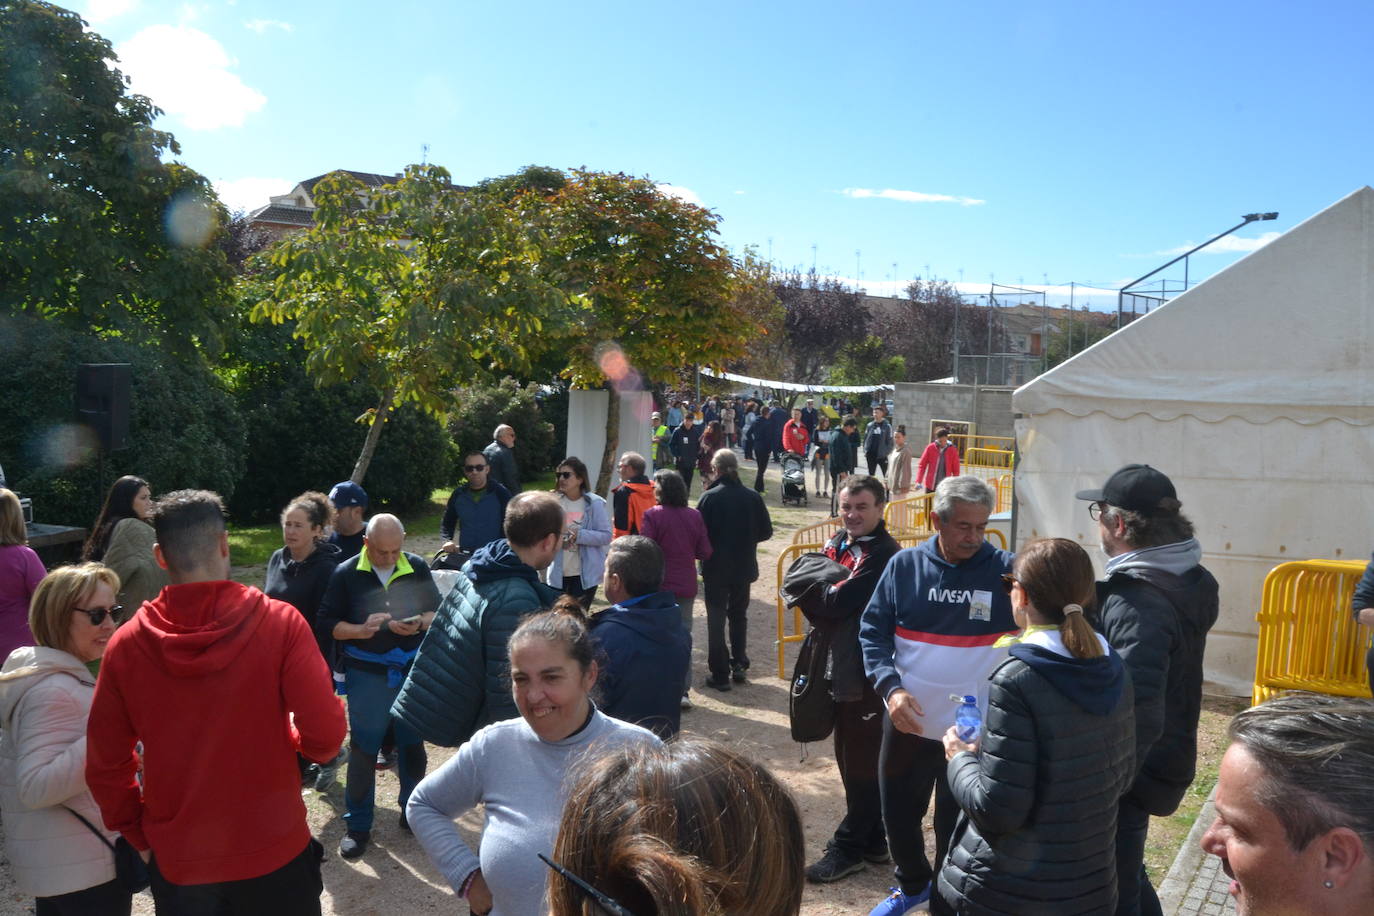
[(20, 573), (688, 828), (519, 770), (579, 566), (1039, 789), (122, 538), (45, 698)]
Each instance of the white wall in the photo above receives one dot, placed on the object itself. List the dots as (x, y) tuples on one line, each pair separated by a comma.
[(587, 427)]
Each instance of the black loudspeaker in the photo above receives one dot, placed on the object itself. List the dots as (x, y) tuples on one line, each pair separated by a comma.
[(102, 402)]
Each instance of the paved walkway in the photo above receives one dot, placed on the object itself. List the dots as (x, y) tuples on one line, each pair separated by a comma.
[(1196, 885)]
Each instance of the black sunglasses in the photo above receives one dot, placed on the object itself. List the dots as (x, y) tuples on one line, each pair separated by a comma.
[(564, 475), (1008, 580), (471, 468), (606, 903), (98, 614)]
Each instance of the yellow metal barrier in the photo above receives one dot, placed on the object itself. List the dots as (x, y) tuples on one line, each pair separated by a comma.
[(1004, 484), (988, 458), (1307, 638), (909, 516), (785, 559), (820, 532)]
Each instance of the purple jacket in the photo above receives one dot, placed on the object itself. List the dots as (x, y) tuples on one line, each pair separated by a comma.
[(681, 533), (20, 573)]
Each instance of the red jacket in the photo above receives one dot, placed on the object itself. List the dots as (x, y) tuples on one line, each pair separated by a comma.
[(925, 469), (795, 437), (209, 676)]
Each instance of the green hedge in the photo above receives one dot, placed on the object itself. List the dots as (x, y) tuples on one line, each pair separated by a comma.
[(477, 411), (185, 430)]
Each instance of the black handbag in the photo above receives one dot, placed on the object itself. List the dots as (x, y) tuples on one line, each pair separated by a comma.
[(130, 869), (810, 702), (451, 561)]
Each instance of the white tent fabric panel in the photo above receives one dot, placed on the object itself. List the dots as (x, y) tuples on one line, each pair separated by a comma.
[(1253, 393), (1283, 332)]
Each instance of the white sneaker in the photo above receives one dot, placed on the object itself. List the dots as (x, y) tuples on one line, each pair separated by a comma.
[(686, 701)]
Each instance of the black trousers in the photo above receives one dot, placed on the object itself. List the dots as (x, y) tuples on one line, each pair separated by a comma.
[(761, 459), (686, 469), (292, 890), (858, 739), (727, 604), (875, 462), (909, 766), (1135, 895), (108, 899)]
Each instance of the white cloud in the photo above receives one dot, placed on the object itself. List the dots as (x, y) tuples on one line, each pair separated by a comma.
[(913, 197), (681, 193), (187, 74), (262, 25), (740, 192), (105, 10), (248, 194), (1231, 244)]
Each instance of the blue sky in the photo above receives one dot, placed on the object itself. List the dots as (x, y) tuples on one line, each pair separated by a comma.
[(1030, 143)]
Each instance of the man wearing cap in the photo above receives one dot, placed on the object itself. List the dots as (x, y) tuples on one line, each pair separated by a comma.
[(810, 418), (662, 456), (350, 503), (1155, 607)]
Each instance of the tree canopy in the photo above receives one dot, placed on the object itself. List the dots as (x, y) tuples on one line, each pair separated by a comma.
[(412, 287), (95, 229)]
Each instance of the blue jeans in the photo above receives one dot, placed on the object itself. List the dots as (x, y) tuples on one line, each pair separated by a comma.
[(369, 716)]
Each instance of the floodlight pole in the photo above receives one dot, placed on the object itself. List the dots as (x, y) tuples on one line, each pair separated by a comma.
[(1245, 220)]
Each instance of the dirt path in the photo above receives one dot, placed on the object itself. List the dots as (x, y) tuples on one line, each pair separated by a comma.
[(395, 876)]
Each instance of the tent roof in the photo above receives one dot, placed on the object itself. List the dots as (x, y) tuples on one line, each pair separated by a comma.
[(1287, 331)]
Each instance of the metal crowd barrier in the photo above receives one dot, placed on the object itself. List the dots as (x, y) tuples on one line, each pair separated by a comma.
[(1307, 637)]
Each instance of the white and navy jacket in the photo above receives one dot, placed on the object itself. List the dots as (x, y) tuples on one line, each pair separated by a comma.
[(930, 628)]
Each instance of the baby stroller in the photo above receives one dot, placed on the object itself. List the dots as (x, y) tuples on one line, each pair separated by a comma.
[(793, 479)]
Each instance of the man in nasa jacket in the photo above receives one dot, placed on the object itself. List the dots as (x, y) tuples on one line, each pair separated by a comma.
[(928, 633)]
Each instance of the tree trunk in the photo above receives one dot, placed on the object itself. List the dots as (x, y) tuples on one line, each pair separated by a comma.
[(374, 431), (603, 478)]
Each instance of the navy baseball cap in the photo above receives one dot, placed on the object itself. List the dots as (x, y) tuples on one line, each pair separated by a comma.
[(1136, 487), (347, 494)]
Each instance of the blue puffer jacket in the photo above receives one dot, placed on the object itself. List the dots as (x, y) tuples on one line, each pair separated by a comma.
[(460, 680), (645, 654)]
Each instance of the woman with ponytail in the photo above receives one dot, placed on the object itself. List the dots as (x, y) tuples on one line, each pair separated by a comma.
[(519, 770), (1039, 788), (689, 828)]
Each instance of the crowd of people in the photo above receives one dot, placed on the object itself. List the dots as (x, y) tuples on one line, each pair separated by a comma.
[(115, 733)]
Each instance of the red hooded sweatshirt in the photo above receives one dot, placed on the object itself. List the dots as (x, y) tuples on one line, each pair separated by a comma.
[(209, 676)]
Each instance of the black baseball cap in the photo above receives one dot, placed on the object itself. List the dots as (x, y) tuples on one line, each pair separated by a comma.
[(1136, 487)]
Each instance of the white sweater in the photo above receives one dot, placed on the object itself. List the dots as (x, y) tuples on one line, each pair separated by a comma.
[(45, 698), (523, 782)]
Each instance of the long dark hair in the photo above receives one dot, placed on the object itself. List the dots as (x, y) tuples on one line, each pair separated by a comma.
[(574, 464), (119, 505)]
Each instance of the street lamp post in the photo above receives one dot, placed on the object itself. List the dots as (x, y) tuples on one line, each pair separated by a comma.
[(1245, 220)]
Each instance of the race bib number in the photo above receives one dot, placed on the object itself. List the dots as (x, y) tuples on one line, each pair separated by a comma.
[(980, 605)]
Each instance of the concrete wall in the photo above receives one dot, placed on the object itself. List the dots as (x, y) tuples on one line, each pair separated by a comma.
[(915, 404)]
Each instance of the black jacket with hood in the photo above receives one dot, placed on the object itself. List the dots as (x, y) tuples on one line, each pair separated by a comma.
[(1038, 829), (1158, 620)]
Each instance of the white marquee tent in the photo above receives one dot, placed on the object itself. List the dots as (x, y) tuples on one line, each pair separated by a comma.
[(1254, 392)]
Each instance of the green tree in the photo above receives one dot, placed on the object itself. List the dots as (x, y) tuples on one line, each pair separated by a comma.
[(95, 229), (862, 362), (653, 289), (413, 288), (1076, 333)]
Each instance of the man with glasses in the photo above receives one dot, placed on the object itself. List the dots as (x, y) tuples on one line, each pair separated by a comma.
[(929, 632), (1155, 608), (500, 454), (477, 508), (222, 685)]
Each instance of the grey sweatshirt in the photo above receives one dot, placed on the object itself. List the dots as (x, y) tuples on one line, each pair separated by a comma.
[(523, 782)]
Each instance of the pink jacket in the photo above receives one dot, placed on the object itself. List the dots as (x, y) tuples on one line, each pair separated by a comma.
[(925, 470), (681, 533)]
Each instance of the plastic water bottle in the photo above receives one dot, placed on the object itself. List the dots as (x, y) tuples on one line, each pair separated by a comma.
[(968, 721)]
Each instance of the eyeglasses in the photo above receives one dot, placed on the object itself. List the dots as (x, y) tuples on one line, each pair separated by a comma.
[(564, 475), (607, 904), (1008, 580), (1095, 510), (98, 614), (474, 468)]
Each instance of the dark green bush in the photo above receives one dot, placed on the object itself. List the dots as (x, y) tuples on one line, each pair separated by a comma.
[(185, 430), (302, 437), (478, 410)]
